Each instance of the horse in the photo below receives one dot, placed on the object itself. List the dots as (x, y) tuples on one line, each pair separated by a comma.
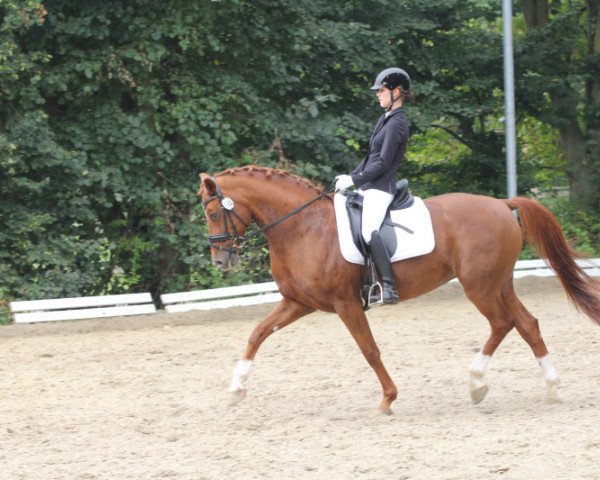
[(478, 240)]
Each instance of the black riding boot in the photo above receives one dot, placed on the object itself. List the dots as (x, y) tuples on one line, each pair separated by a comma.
[(383, 265)]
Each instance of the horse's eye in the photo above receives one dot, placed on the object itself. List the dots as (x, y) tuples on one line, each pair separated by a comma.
[(214, 215)]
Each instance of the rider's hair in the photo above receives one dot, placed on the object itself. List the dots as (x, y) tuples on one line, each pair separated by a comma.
[(407, 96)]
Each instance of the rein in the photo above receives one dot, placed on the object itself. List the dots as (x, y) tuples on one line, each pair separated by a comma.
[(228, 209)]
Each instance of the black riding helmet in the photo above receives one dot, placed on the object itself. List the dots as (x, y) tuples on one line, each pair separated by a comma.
[(392, 78)]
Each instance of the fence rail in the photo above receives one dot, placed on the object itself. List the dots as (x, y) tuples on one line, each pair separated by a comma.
[(226, 297), (78, 308), (539, 268)]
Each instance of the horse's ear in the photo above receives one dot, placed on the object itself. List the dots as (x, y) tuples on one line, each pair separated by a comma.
[(207, 184)]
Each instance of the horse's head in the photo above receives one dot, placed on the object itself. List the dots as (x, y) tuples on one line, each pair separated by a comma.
[(227, 222)]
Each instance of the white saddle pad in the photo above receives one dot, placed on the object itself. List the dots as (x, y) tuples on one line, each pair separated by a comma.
[(415, 218)]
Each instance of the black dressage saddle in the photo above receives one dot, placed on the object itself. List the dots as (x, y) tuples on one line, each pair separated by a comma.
[(354, 205)]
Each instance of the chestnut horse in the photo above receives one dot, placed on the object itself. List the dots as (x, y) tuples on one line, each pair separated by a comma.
[(478, 240)]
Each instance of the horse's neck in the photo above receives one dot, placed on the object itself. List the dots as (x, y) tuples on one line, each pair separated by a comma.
[(296, 239), (269, 199)]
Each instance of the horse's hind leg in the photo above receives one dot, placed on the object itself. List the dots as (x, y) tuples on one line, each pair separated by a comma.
[(287, 311), (504, 311), (501, 322), (528, 327)]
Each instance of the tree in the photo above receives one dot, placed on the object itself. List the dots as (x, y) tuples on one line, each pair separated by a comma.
[(110, 110), (558, 66), (44, 246), (454, 50)]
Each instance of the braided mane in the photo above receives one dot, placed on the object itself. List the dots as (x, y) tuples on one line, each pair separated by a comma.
[(269, 173)]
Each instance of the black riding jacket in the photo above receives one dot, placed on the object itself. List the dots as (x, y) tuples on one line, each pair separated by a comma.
[(386, 149)]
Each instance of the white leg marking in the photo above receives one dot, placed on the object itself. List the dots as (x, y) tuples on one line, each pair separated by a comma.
[(551, 378), (240, 375), (480, 364), (477, 385), (548, 370)]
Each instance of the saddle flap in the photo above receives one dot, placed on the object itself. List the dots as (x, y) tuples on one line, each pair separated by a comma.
[(354, 205), (354, 208)]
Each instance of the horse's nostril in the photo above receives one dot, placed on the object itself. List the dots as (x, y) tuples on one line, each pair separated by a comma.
[(220, 264)]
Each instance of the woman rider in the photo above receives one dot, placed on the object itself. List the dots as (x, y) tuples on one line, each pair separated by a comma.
[(375, 176)]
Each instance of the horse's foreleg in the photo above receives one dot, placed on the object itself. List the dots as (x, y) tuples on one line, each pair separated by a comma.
[(286, 312), (356, 321)]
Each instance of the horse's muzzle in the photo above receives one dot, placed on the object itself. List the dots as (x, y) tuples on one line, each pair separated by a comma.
[(225, 260)]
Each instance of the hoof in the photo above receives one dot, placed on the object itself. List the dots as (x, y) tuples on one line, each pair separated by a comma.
[(236, 396), (479, 393), (552, 393), (384, 409), (477, 387)]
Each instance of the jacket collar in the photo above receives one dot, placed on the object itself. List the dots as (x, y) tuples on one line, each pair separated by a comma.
[(383, 119), (395, 111)]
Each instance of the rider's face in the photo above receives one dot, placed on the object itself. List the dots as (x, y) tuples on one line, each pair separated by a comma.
[(384, 97)]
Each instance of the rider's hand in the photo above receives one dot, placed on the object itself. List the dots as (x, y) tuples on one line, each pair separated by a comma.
[(343, 182)]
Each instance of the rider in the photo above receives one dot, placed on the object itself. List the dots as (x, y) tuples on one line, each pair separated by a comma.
[(375, 176)]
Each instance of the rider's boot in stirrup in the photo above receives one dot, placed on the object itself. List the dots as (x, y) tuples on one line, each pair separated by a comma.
[(383, 265)]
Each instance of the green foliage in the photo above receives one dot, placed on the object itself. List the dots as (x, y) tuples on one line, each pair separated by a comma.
[(581, 229), (99, 98), (557, 65)]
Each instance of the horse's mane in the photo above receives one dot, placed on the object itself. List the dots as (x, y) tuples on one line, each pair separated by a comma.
[(269, 173)]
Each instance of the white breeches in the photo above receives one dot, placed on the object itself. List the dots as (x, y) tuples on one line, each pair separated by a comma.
[(375, 205)]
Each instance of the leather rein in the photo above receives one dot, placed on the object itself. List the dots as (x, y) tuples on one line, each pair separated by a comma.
[(228, 211)]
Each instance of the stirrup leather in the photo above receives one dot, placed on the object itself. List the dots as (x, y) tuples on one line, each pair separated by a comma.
[(372, 289)]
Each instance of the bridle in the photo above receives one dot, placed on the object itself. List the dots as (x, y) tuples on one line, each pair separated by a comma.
[(228, 211)]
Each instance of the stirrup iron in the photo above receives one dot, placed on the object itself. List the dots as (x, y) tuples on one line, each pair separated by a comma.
[(375, 293), (375, 296)]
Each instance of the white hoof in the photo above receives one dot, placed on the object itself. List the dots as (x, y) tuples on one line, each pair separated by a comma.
[(477, 388), (552, 392), (236, 396), (478, 394), (477, 385)]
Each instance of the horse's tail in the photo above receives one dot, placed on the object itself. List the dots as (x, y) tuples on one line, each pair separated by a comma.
[(543, 232)]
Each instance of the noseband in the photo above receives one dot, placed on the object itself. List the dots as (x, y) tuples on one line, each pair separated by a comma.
[(228, 209)]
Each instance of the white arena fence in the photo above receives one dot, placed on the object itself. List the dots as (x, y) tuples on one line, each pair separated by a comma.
[(82, 307), (221, 297), (539, 268), (226, 297)]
